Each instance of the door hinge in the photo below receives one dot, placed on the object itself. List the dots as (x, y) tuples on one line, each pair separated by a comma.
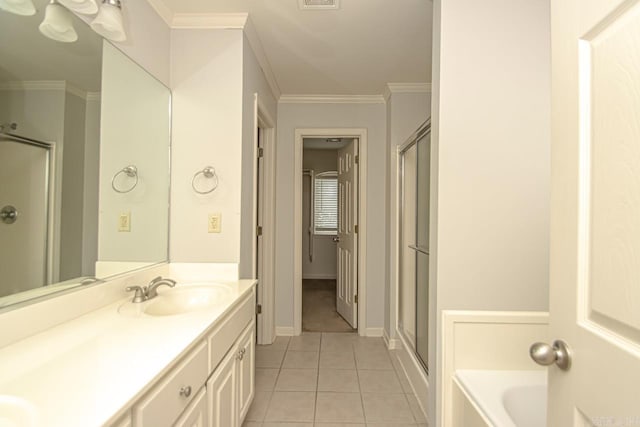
[(355, 299), (259, 231), (258, 308), (356, 228), (260, 152), (357, 159)]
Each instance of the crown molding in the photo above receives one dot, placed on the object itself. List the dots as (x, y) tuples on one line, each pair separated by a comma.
[(406, 88), (215, 21), (60, 85), (162, 10), (331, 99)]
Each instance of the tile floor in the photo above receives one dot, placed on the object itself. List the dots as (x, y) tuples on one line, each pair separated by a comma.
[(330, 380)]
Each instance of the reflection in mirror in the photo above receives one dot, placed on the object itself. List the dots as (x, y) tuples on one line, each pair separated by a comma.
[(73, 118)]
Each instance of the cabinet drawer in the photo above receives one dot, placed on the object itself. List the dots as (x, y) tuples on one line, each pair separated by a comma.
[(166, 401), (221, 340)]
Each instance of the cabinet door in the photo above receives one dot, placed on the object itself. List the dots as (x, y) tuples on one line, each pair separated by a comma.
[(196, 413), (222, 393), (246, 369)]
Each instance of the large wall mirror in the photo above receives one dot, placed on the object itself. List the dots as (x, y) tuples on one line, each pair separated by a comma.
[(84, 161)]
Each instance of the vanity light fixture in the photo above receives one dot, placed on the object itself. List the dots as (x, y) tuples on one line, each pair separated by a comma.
[(86, 7), (19, 7), (58, 23), (108, 23)]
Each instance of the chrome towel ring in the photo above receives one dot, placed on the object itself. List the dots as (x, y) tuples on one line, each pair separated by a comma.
[(132, 172), (208, 172)]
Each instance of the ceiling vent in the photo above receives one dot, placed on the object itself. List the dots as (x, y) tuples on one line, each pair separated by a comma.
[(319, 4)]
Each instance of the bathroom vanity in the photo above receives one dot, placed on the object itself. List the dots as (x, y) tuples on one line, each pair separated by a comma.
[(118, 367)]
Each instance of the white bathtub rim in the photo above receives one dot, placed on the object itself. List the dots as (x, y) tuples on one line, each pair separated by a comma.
[(486, 389)]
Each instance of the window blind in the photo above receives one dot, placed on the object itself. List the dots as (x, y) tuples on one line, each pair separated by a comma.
[(325, 203)]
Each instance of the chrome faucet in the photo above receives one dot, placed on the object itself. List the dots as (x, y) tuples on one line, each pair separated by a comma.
[(157, 282), (144, 293)]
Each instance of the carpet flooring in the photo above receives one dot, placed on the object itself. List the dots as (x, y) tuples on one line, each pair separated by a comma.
[(319, 307)]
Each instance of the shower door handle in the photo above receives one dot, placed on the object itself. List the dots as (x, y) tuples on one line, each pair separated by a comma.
[(8, 214)]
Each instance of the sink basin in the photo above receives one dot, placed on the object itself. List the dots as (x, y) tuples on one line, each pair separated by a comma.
[(185, 299), (17, 412)]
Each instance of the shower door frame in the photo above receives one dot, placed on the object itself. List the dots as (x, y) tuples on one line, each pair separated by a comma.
[(50, 199), (423, 130)]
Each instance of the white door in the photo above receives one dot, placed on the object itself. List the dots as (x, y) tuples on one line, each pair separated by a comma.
[(595, 217), (347, 286), (24, 172)]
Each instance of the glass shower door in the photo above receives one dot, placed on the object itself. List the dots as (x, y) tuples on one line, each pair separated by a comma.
[(413, 307)]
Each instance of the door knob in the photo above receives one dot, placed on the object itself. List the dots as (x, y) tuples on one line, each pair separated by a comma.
[(545, 354), (336, 239)]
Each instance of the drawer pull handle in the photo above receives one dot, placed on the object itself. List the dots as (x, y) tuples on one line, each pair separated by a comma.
[(185, 391)]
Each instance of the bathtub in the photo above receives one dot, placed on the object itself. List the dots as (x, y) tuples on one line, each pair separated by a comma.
[(507, 398)]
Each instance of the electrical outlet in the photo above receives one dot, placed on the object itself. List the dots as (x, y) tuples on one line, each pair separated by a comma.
[(124, 222), (214, 222)]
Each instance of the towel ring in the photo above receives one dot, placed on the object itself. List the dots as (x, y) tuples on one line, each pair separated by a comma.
[(132, 172), (207, 172)]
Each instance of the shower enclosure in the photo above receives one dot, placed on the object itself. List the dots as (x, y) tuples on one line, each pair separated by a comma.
[(24, 208), (413, 295)]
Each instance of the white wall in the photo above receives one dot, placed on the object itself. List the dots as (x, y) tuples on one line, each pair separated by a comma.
[(72, 214), (405, 113), (206, 77), (324, 264), (253, 82), (134, 130), (369, 116), (491, 137)]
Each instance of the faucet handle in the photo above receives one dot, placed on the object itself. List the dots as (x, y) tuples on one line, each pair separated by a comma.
[(140, 295)]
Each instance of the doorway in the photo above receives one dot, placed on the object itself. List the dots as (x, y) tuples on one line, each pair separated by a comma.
[(329, 247), (328, 280)]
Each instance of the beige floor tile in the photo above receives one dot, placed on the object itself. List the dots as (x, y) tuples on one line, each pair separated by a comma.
[(338, 342), (280, 342), (286, 406), (269, 358), (337, 360), (300, 360), (379, 382), (287, 425), (383, 407), (251, 424), (338, 425), (415, 409), (338, 380), (266, 378), (309, 341), (297, 380), (393, 425), (258, 407), (369, 344), (378, 360), (339, 407)]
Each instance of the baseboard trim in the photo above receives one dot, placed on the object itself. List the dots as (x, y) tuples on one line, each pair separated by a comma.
[(285, 331), (391, 343)]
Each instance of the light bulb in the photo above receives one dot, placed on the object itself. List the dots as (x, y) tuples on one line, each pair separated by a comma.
[(58, 23), (19, 7), (108, 22), (86, 7)]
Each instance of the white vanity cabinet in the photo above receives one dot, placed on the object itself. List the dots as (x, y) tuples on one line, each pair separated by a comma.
[(232, 386), (213, 384)]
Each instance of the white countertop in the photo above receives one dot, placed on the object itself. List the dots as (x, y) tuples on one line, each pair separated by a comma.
[(86, 371)]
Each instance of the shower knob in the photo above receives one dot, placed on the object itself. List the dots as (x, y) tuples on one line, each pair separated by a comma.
[(8, 214), (545, 354)]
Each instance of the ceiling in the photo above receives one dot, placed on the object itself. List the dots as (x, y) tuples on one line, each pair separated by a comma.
[(27, 55), (354, 50), (324, 143)]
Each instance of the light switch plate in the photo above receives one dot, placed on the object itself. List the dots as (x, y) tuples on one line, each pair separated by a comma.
[(214, 225), (124, 222)]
